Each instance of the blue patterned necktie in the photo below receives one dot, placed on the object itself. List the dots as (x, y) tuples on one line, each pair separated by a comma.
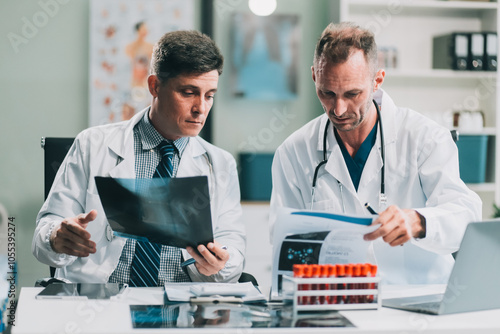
[(166, 166), (146, 261)]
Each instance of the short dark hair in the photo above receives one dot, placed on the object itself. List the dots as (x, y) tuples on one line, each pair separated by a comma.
[(138, 25), (180, 52), (339, 41)]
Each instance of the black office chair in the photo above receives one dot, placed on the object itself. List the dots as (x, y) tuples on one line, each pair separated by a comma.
[(55, 150), (455, 136)]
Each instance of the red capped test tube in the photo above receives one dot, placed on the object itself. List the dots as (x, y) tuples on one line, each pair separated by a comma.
[(298, 272), (306, 300), (365, 269), (373, 273), (315, 271), (340, 286), (323, 273), (348, 273), (332, 272), (356, 272)]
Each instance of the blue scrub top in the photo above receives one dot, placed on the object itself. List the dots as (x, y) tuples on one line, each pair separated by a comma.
[(356, 164)]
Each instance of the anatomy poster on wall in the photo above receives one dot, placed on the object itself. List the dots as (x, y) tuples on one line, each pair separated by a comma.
[(122, 35)]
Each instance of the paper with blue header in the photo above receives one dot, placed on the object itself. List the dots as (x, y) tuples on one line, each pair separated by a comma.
[(317, 237)]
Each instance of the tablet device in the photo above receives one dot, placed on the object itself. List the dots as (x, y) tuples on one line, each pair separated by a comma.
[(81, 291)]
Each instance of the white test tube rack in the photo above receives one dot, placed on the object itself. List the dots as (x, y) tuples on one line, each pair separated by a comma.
[(352, 293)]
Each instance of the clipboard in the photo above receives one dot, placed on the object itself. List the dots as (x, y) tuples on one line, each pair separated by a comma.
[(211, 292)]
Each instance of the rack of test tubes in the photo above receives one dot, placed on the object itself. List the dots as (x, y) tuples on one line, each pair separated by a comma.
[(333, 287)]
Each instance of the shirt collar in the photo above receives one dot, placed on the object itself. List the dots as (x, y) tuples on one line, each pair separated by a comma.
[(356, 164), (150, 138), (364, 150)]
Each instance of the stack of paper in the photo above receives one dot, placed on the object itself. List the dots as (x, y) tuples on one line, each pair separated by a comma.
[(317, 237)]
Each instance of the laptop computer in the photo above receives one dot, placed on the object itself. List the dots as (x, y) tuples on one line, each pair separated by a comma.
[(474, 281)]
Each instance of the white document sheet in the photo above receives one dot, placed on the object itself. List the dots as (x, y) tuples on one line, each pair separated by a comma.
[(318, 237)]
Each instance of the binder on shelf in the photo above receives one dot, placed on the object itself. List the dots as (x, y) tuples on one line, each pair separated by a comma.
[(472, 157), (476, 51), (451, 51), (490, 51)]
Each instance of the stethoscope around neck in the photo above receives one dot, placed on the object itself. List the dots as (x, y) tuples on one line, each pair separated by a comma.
[(382, 196)]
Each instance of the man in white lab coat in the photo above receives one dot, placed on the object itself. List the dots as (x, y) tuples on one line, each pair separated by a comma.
[(422, 203), (72, 232)]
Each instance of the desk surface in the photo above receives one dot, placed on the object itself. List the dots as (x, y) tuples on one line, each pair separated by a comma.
[(104, 316)]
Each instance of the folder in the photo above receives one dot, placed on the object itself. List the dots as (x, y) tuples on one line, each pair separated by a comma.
[(490, 51), (476, 51), (451, 51)]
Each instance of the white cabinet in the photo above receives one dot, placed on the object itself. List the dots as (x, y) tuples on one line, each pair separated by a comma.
[(258, 259), (409, 27)]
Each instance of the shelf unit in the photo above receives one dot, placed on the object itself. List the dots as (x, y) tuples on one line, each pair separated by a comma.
[(409, 26), (440, 74)]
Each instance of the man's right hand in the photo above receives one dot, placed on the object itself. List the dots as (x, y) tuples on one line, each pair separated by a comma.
[(71, 236)]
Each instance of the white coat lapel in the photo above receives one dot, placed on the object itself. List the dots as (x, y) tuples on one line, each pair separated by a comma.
[(192, 162), (122, 144), (124, 168), (373, 166), (335, 165)]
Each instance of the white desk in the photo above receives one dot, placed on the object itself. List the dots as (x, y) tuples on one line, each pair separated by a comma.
[(58, 316)]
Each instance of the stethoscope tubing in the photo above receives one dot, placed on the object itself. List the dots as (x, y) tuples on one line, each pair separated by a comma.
[(382, 152)]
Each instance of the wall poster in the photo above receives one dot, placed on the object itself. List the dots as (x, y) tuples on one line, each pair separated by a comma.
[(122, 34), (265, 56)]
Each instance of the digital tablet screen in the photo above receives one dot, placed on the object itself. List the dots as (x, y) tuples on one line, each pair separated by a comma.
[(81, 291)]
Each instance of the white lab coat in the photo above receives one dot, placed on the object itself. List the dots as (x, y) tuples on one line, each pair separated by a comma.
[(109, 151), (421, 173)]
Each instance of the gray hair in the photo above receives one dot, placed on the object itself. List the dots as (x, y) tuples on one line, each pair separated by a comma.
[(339, 41)]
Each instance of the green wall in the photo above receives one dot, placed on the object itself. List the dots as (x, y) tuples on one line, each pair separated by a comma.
[(247, 125), (44, 92)]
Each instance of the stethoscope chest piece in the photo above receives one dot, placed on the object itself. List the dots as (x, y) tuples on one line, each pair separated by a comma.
[(382, 201)]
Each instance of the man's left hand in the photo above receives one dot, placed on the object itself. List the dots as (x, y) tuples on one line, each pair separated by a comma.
[(212, 260), (398, 226)]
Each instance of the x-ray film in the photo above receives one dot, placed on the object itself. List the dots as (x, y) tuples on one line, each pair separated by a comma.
[(174, 211)]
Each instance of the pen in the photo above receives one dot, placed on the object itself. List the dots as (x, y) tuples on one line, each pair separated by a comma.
[(370, 209), (192, 260), (188, 262)]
